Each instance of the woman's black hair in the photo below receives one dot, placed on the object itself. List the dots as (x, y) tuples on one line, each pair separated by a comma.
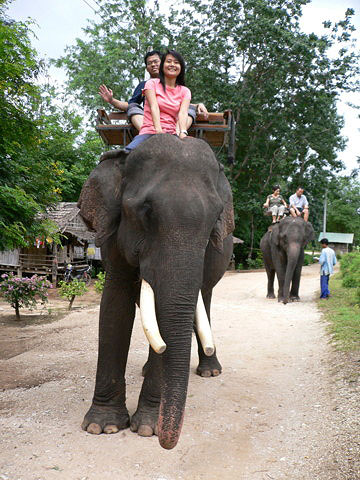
[(275, 187), (180, 80)]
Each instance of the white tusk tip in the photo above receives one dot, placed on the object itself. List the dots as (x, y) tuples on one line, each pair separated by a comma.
[(161, 349), (209, 351)]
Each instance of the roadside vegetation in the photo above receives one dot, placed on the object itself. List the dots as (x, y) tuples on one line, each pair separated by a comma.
[(342, 309)]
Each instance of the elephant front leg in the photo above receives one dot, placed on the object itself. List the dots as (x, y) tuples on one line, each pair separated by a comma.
[(295, 285), (108, 411), (208, 366), (145, 419)]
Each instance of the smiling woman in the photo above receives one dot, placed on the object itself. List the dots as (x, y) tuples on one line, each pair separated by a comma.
[(167, 101)]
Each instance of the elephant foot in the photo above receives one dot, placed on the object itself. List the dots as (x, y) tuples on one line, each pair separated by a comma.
[(294, 298), (270, 295), (209, 367), (144, 421), (102, 419)]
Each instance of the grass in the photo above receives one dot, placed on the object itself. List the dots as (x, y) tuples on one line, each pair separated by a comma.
[(342, 312)]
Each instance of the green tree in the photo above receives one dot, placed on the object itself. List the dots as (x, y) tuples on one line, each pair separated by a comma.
[(252, 57), (343, 203), (24, 185), (281, 84), (114, 52), (46, 152), (70, 290)]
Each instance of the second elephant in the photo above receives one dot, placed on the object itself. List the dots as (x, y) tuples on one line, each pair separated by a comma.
[(283, 252)]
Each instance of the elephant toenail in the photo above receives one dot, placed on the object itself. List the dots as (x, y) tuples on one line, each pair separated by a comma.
[(94, 428), (145, 431), (111, 429)]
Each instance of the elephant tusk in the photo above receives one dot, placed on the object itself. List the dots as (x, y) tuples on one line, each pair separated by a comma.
[(203, 327), (148, 318)]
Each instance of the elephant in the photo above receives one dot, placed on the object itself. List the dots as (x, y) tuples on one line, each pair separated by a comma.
[(163, 217), (283, 252)]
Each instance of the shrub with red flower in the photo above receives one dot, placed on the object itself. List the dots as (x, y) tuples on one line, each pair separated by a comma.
[(24, 292)]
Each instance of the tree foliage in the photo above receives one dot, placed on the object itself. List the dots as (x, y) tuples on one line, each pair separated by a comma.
[(343, 206), (45, 153), (251, 56)]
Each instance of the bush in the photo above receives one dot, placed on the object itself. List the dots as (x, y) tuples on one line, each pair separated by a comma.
[(308, 259), (24, 292), (350, 270), (100, 282), (73, 289)]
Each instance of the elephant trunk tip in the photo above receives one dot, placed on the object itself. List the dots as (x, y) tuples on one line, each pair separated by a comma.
[(167, 442)]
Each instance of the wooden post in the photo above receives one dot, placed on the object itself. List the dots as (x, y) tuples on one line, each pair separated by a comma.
[(54, 265)]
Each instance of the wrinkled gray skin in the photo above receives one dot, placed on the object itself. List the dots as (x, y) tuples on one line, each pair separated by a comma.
[(163, 214), (283, 253)]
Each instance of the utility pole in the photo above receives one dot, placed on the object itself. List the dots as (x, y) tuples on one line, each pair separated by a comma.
[(324, 215)]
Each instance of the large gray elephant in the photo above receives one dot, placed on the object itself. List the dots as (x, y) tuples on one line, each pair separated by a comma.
[(163, 217), (283, 252)]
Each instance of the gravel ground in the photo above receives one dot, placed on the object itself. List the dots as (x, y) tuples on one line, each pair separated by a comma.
[(285, 407)]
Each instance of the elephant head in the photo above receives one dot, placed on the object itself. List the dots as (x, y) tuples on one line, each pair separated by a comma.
[(162, 205), (289, 238)]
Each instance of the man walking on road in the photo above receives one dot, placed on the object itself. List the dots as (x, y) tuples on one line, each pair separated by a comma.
[(327, 261)]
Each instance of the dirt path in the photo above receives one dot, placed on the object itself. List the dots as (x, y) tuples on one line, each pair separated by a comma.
[(276, 412)]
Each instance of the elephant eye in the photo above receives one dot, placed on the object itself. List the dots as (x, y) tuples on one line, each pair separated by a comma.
[(145, 214)]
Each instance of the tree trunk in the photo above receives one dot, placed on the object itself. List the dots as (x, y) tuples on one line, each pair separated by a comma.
[(17, 311), (71, 301)]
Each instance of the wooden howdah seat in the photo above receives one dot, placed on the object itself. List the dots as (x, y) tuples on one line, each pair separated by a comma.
[(218, 129)]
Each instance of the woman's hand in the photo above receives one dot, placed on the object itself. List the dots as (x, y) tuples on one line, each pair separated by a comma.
[(158, 130), (106, 93)]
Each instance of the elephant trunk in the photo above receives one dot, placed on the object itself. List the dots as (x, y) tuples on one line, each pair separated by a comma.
[(293, 253), (176, 327), (176, 291)]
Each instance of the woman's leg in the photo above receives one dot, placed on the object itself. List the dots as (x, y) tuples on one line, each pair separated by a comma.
[(137, 140), (281, 211), (273, 213)]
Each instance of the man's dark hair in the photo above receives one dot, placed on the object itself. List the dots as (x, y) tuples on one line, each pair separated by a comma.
[(324, 241), (297, 188), (180, 80), (275, 187), (150, 54)]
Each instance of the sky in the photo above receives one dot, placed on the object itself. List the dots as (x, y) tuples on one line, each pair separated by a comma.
[(60, 22)]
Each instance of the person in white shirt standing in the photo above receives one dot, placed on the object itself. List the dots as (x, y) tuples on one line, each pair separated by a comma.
[(327, 261), (299, 204)]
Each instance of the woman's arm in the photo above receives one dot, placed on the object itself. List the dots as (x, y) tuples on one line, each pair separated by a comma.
[(154, 108), (183, 113), (266, 204)]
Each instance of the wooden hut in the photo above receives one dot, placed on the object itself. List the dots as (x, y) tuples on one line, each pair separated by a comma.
[(44, 257), (339, 242)]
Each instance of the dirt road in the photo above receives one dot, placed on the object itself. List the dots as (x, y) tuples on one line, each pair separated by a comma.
[(276, 412)]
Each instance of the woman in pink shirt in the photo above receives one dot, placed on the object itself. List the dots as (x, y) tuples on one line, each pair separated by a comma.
[(167, 101)]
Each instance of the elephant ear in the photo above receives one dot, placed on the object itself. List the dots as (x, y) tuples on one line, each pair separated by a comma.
[(99, 202), (225, 224), (309, 232)]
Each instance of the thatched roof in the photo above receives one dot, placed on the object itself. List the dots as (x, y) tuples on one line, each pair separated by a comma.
[(66, 216)]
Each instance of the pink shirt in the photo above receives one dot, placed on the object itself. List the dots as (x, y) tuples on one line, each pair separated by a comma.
[(169, 104)]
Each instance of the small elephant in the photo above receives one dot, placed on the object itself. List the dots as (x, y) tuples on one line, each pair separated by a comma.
[(163, 217), (283, 252)]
